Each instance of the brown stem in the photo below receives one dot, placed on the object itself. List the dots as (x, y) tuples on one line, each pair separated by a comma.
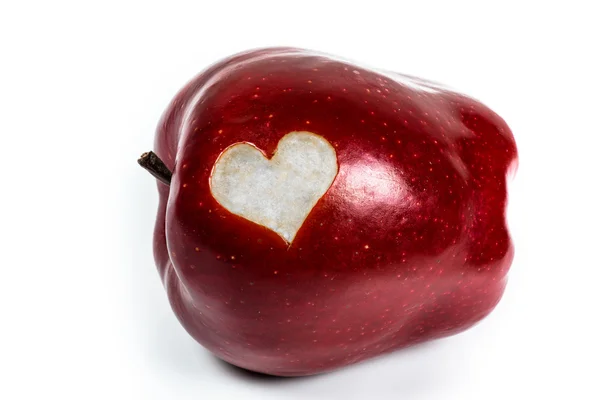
[(151, 163)]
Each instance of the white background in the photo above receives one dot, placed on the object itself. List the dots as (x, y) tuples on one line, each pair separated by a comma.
[(82, 85)]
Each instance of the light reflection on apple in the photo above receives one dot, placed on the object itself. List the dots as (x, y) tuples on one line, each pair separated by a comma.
[(369, 184)]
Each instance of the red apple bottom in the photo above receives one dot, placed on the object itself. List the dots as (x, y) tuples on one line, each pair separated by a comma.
[(376, 315)]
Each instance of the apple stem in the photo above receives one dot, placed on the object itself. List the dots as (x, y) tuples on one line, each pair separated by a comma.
[(157, 168)]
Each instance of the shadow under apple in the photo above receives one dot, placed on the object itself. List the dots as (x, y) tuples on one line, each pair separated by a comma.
[(392, 357)]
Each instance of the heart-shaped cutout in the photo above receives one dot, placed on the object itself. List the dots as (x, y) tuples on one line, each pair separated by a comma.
[(280, 192)]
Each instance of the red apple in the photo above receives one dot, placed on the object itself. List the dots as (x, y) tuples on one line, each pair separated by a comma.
[(322, 213)]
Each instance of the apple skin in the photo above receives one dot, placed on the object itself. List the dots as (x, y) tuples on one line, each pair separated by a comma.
[(409, 244)]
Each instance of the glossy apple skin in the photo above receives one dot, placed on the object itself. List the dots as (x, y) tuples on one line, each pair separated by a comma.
[(409, 244)]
